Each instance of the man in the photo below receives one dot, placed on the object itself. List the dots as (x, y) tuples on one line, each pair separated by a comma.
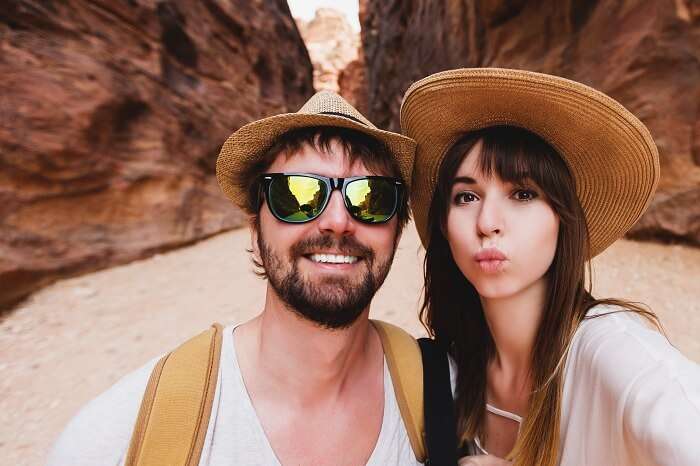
[(306, 381)]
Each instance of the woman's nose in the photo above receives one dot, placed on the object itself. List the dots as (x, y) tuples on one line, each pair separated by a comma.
[(490, 221)]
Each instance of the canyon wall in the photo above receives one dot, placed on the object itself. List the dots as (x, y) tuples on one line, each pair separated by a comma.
[(111, 118), (644, 53), (332, 44)]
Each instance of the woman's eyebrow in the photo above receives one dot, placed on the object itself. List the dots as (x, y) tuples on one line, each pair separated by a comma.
[(463, 179)]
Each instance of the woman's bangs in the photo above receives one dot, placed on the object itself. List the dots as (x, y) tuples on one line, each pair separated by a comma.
[(517, 156), (495, 160)]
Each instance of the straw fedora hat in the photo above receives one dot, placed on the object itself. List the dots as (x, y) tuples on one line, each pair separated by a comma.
[(325, 108), (609, 152)]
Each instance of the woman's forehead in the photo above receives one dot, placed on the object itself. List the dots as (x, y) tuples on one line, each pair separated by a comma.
[(483, 162), (471, 162)]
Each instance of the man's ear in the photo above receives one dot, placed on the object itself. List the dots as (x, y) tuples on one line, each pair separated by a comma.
[(399, 232), (254, 228), (254, 250)]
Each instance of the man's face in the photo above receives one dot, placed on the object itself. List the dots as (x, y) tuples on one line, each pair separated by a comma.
[(326, 270)]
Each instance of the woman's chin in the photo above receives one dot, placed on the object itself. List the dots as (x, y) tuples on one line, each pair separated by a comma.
[(487, 289)]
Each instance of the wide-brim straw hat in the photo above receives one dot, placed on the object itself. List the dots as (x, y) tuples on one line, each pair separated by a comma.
[(325, 108), (609, 152)]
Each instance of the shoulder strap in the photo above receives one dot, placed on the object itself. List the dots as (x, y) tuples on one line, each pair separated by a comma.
[(440, 424), (406, 368), (174, 414)]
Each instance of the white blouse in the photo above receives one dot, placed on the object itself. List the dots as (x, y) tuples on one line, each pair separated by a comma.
[(629, 397)]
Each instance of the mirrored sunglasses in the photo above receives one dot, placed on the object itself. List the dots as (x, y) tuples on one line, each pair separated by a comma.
[(302, 197)]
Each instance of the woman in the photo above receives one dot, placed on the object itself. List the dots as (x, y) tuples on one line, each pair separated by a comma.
[(520, 179)]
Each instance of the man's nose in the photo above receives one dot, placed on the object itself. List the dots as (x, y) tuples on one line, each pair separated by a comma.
[(335, 218)]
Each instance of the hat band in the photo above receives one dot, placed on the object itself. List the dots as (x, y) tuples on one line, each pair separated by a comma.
[(344, 116)]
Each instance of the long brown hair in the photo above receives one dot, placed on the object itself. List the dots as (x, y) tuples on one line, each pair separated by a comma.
[(452, 311)]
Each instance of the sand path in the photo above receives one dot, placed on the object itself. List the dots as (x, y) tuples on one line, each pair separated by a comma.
[(75, 338)]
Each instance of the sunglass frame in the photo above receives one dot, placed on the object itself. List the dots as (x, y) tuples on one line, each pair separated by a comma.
[(332, 184)]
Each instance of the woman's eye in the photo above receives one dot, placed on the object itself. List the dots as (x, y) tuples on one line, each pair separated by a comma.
[(464, 198), (525, 195)]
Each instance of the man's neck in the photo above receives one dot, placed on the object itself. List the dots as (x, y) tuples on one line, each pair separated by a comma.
[(308, 383), (308, 362)]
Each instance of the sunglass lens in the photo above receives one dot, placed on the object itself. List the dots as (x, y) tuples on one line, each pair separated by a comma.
[(296, 198), (371, 200)]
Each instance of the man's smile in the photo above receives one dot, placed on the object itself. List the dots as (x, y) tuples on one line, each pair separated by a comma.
[(333, 258)]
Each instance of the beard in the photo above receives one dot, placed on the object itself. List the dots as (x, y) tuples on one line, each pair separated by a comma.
[(333, 302)]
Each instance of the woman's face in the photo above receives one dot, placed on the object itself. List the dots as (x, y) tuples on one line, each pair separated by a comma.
[(502, 236)]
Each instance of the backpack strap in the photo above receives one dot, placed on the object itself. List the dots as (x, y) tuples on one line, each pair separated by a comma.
[(403, 357), (440, 423), (172, 422)]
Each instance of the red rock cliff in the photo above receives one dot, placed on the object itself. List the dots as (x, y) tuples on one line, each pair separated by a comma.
[(332, 44), (644, 53), (336, 54), (111, 118)]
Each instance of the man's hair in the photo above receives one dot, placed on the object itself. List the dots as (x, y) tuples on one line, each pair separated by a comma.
[(357, 146)]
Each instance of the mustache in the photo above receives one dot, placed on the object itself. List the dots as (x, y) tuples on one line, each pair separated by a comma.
[(347, 245)]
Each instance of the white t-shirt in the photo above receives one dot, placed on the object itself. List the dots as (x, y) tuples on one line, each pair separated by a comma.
[(100, 433), (629, 397)]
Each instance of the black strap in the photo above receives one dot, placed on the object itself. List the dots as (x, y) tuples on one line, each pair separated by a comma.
[(440, 425)]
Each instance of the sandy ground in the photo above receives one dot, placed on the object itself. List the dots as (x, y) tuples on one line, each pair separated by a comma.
[(75, 338)]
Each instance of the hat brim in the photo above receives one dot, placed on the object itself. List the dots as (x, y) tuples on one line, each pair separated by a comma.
[(251, 141), (609, 152)]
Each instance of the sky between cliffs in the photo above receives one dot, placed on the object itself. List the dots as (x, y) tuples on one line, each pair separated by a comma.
[(305, 9)]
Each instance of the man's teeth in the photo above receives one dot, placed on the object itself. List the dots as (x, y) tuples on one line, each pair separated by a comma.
[(333, 258)]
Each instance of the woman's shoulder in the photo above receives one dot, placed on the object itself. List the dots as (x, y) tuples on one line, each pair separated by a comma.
[(609, 332), (620, 348), (634, 378), (609, 322)]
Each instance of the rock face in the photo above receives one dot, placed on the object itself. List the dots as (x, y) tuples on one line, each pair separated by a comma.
[(352, 83), (111, 118), (645, 54), (332, 44)]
